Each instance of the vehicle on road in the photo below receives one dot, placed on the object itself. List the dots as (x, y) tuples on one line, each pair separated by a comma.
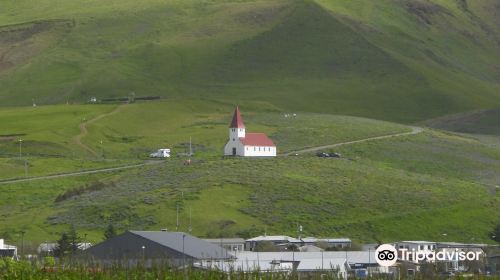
[(161, 153), (328, 155)]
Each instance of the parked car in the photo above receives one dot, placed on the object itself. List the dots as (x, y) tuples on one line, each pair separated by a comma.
[(161, 153), (329, 155)]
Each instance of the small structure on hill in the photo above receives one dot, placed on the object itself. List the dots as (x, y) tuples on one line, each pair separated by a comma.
[(247, 144)]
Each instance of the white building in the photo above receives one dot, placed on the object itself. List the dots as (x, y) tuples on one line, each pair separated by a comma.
[(7, 250), (276, 240), (247, 144), (230, 244), (330, 242), (340, 263), (283, 240)]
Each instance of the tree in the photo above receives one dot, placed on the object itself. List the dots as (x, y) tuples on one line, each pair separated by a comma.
[(68, 243), (63, 246), (110, 232)]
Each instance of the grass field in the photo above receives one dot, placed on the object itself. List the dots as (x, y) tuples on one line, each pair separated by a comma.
[(365, 199), (478, 122), (394, 60), (410, 187), (132, 132), (325, 61)]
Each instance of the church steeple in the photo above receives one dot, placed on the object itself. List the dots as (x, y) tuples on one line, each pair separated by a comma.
[(237, 127), (237, 121)]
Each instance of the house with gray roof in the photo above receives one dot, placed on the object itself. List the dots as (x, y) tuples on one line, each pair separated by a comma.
[(175, 248)]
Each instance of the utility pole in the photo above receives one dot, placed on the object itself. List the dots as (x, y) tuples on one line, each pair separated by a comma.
[(369, 261), (190, 224), (184, 257), (177, 213), (102, 150), (20, 148), (22, 243), (190, 147)]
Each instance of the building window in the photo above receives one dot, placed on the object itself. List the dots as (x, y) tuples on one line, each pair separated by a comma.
[(254, 149)]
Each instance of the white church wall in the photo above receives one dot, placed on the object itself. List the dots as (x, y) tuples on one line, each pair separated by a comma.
[(228, 149), (255, 151)]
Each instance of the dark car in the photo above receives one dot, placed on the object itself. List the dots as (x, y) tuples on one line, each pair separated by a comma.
[(329, 155)]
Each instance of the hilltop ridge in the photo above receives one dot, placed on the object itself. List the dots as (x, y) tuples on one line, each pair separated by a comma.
[(395, 60)]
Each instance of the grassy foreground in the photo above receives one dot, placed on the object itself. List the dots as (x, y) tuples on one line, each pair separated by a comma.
[(10, 270)]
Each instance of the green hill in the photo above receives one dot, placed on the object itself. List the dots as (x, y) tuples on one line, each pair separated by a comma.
[(478, 122), (417, 186), (395, 60), (385, 62)]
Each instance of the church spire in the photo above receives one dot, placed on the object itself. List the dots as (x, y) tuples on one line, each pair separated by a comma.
[(237, 121)]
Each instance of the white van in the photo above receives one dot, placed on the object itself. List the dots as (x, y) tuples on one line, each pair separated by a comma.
[(161, 153)]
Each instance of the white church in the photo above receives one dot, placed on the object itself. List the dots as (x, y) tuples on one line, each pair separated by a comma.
[(247, 144)]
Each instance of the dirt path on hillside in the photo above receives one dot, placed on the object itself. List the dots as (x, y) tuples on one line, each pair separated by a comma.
[(84, 131), (414, 130), (78, 173)]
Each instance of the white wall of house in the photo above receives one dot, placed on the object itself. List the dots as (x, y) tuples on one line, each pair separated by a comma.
[(254, 151)]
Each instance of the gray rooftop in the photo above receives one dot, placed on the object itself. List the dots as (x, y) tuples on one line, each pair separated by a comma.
[(193, 246), (225, 240)]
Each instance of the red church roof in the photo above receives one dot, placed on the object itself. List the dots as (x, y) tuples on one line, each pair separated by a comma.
[(237, 121), (257, 139)]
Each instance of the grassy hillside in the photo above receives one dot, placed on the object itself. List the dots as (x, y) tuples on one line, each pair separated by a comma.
[(484, 122), (127, 133), (367, 196), (48, 146), (395, 60), (410, 187)]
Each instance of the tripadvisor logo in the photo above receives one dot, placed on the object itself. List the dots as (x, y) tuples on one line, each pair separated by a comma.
[(386, 255)]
